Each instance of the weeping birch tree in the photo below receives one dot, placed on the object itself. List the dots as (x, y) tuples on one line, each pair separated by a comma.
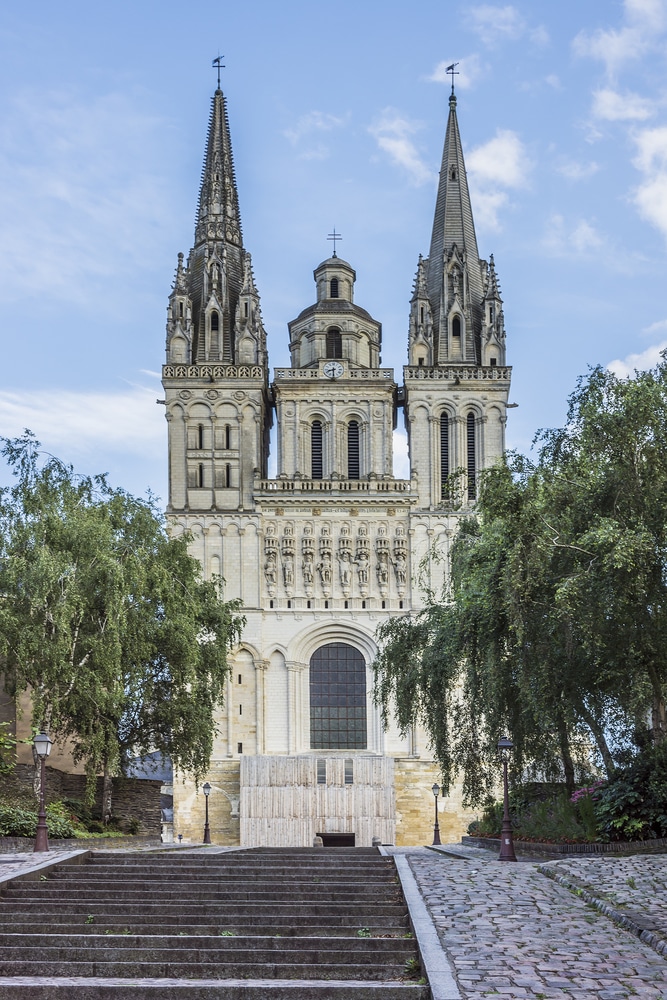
[(554, 627), (107, 621)]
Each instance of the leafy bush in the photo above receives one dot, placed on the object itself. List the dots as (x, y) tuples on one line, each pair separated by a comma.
[(553, 820), (490, 823), (18, 822), (633, 804)]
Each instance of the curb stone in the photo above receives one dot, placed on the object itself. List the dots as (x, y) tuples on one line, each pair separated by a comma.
[(654, 941)]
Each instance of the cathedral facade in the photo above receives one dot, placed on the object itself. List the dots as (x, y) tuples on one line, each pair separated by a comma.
[(333, 545)]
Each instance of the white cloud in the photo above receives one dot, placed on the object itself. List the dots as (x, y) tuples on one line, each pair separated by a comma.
[(554, 81), (314, 121), (87, 423), (577, 239), (393, 134), (650, 196), (82, 193), (469, 69), (646, 21), (575, 171), (613, 107), (627, 366), (500, 24), (493, 167)]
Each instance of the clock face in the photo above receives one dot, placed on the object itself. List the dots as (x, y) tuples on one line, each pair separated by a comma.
[(333, 369)]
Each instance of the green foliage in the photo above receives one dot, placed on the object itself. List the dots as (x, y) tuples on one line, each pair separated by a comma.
[(7, 749), (633, 805), (554, 624), (18, 822), (551, 821), (106, 620)]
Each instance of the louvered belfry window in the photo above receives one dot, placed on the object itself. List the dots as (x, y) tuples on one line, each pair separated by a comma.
[(334, 343), (472, 464), (334, 288), (353, 468), (337, 698), (316, 449), (444, 455)]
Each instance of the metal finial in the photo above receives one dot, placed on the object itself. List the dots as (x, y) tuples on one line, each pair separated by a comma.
[(334, 236), (220, 65), (452, 70)]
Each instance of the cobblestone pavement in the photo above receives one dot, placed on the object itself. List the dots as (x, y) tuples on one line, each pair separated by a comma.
[(511, 932)]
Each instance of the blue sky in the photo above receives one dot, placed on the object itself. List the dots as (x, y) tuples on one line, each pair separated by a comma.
[(338, 116)]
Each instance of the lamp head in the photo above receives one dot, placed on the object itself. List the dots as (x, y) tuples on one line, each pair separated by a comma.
[(505, 747), (42, 744), (206, 789), (435, 789)]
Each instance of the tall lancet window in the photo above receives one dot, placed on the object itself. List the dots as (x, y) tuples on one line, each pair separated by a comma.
[(353, 468), (334, 343), (316, 449), (334, 288), (214, 351), (338, 698), (226, 340), (444, 455), (472, 462)]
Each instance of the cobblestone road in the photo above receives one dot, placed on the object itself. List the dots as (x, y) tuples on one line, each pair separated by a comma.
[(512, 932)]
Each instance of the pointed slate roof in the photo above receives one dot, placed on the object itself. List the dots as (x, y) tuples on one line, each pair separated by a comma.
[(453, 221), (218, 208)]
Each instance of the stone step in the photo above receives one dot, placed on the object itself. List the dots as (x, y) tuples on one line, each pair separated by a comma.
[(166, 895), (198, 970), (52, 988), (106, 874), (140, 924), (56, 908)]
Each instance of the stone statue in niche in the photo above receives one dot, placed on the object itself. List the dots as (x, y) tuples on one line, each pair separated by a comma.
[(271, 566), (362, 560), (324, 569), (288, 569), (345, 568), (383, 568), (400, 568), (307, 567)]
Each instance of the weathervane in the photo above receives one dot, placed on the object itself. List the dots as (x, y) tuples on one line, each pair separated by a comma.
[(452, 70), (334, 236), (220, 65)]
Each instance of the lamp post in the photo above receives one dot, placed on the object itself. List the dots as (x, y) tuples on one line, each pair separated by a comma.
[(42, 745), (505, 747), (436, 829), (206, 789)]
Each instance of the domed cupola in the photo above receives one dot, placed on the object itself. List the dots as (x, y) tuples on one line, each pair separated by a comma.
[(334, 327)]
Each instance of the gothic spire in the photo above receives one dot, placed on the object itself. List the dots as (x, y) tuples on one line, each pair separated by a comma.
[(453, 226), (218, 215)]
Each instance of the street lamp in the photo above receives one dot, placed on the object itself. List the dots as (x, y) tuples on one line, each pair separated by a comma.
[(505, 747), (206, 789), (436, 829), (42, 745)]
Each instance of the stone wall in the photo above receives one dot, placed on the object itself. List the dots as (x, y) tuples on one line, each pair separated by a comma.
[(132, 797), (415, 805), (223, 803)]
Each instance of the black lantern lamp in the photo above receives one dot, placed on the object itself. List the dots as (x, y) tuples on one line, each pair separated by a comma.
[(436, 829), (206, 789), (42, 745), (505, 747)]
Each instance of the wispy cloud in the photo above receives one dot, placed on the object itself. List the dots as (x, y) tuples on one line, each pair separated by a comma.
[(611, 106), (469, 70), (625, 367), (87, 423), (575, 171), (645, 21), (495, 25), (494, 168), (393, 133), (579, 239), (650, 196), (313, 122), (82, 193)]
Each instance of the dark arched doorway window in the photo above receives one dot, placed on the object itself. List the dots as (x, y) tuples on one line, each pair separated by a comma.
[(337, 698), (334, 343)]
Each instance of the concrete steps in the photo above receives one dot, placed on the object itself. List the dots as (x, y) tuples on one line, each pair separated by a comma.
[(248, 924)]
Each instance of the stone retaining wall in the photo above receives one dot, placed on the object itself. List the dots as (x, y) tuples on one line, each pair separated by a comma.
[(658, 846)]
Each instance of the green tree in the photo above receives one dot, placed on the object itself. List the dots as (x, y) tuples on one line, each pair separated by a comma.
[(554, 624), (106, 620)]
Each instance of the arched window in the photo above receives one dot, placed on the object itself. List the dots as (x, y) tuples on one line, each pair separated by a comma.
[(215, 322), (180, 308), (200, 436), (228, 476), (353, 468), (337, 698), (228, 437), (334, 343), (316, 449), (456, 327), (200, 475), (333, 293), (472, 463), (444, 455)]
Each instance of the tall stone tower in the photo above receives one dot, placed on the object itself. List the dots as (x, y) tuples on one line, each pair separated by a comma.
[(332, 546)]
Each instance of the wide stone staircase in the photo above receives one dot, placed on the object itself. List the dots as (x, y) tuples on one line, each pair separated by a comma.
[(243, 925)]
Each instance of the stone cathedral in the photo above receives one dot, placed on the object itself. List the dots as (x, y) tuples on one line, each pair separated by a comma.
[(324, 552)]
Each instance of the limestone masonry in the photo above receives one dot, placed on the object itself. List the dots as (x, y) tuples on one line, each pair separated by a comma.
[(334, 545)]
